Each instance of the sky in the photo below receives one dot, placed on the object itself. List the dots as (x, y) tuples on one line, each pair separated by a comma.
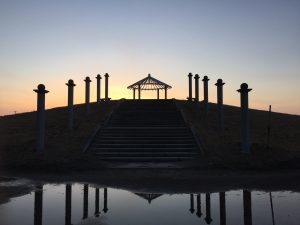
[(50, 42)]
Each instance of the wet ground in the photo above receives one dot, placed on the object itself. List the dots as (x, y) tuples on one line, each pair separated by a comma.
[(150, 197)]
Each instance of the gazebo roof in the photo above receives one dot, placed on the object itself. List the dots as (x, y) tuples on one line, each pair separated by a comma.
[(149, 83)]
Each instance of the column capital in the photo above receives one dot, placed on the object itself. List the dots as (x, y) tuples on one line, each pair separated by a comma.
[(87, 79), (205, 78), (190, 75), (196, 77), (98, 76), (70, 83), (219, 82), (41, 89), (106, 75), (244, 88)]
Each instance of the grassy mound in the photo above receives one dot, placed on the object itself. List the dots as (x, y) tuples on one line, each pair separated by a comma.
[(223, 148), (18, 136)]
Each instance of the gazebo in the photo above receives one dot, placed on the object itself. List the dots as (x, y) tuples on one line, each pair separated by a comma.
[(149, 83)]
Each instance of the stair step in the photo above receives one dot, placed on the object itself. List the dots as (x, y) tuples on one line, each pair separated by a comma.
[(143, 140), (122, 141), (133, 139), (160, 132), (153, 130), (142, 149), (145, 154), (146, 137), (141, 134), (135, 145), (94, 149), (144, 128), (146, 159)]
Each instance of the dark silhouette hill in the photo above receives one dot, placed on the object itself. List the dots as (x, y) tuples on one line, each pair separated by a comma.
[(64, 148)]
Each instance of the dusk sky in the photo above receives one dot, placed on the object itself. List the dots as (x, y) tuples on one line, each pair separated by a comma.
[(49, 42)]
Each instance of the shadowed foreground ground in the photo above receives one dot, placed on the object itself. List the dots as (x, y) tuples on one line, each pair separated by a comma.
[(64, 148)]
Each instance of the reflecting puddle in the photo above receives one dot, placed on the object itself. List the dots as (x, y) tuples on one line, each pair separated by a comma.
[(86, 204)]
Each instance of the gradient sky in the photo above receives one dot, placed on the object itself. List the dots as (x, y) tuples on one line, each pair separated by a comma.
[(257, 42)]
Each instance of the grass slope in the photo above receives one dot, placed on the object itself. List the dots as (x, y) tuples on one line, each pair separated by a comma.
[(18, 136), (224, 148)]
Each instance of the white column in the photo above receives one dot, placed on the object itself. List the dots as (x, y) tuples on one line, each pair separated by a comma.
[(245, 118), (41, 91), (98, 77), (87, 94), (196, 77), (219, 85), (106, 86), (71, 86), (205, 89), (190, 98)]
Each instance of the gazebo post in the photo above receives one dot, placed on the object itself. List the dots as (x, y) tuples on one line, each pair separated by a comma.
[(139, 92), (157, 93), (133, 93), (166, 92)]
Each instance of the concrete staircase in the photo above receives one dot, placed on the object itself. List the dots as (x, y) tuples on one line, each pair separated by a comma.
[(145, 131)]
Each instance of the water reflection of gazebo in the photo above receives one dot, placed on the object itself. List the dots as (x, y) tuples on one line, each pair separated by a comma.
[(149, 83), (148, 196)]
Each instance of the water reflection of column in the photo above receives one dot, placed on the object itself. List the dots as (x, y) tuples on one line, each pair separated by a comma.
[(85, 201), (97, 202), (199, 213), (68, 211), (38, 205), (208, 218), (105, 209), (222, 208), (192, 208), (247, 207)]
